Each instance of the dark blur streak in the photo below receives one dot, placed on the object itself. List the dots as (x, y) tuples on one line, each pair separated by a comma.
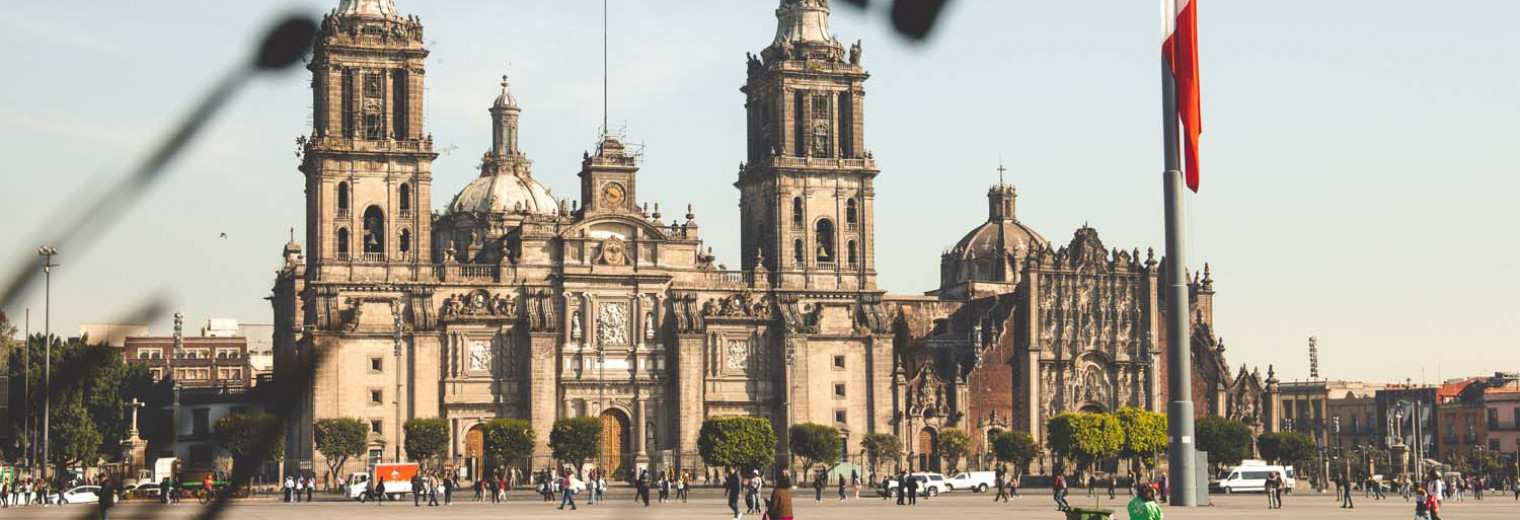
[(915, 18), (285, 44)]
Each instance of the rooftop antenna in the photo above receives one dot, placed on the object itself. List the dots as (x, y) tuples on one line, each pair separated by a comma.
[(1313, 358), (605, 128)]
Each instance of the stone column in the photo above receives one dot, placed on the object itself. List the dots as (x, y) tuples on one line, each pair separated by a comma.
[(689, 402)]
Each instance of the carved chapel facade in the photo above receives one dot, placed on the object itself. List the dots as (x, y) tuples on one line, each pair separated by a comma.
[(511, 303)]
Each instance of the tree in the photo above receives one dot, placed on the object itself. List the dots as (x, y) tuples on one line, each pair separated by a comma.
[(1287, 447), (339, 440), (506, 440), (426, 439), (251, 439), (90, 387), (576, 439), (1227, 441), (1017, 448), (1144, 436), (953, 444), (746, 443), (881, 447), (1085, 437), (815, 443)]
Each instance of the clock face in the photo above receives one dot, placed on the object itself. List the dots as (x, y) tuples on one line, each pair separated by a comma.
[(613, 193)]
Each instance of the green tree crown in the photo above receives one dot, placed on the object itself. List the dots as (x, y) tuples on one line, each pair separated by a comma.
[(339, 439), (507, 440), (1015, 447), (1227, 441), (815, 443), (576, 439), (747, 443), (426, 438)]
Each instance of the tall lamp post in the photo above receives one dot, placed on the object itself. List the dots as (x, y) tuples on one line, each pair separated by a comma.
[(47, 253), (396, 351)]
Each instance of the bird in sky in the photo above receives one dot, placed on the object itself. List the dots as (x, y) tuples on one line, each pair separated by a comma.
[(224, 235)]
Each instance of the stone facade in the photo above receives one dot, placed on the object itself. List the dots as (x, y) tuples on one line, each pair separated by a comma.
[(510, 303)]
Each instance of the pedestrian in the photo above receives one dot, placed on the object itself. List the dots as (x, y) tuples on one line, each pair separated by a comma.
[(1058, 489), (1113, 481), (1434, 488), (664, 488), (289, 488), (1163, 489), (855, 482), (902, 487), (999, 478), (311, 486), (1273, 487), (1091, 481), (567, 490), (1013, 485), (418, 485), (448, 490), (1421, 505), (601, 486), (841, 488), (380, 491), (912, 490), (732, 488), (641, 488), (682, 485), (434, 485), (818, 486), (779, 506), (107, 498), (752, 500), (1144, 506), (1346, 502)]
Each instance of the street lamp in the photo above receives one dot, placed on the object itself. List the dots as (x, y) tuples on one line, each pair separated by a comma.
[(47, 253)]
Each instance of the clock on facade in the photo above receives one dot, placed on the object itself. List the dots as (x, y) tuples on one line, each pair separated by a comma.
[(613, 193)]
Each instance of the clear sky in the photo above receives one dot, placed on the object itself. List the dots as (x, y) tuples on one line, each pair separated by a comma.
[(1360, 156)]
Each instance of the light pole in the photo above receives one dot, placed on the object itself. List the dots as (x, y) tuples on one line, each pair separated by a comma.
[(47, 253), (26, 394), (396, 351)]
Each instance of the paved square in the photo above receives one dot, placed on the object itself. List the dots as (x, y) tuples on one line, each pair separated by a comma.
[(707, 504)]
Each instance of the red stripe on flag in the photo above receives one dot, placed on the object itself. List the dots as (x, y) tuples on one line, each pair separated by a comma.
[(1181, 47)]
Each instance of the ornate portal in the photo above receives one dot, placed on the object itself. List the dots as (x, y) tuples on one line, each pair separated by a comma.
[(738, 355)]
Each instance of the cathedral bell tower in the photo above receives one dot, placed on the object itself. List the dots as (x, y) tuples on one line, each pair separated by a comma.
[(367, 162), (806, 200)]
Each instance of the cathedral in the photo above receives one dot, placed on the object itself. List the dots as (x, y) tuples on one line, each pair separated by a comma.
[(507, 302)]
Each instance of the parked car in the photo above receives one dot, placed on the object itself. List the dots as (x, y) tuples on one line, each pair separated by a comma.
[(929, 484), (976, 481), (80, 495), (1252, 476), (143, 490)]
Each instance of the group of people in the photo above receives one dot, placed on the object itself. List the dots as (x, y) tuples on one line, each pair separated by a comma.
[(1007, 484), (291, 491), (904, 486), (430, 486), (31, 490), (777, 507)]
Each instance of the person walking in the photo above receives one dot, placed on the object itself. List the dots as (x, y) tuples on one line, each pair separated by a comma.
[(380, 491), (448, 490), (1000, 478), (1013, 485), (1144, 506), (1058, 489), (683, 485), (1421, 505), (107, 498), (855, 482), (1113, 481), (1345, 485), (418, 485), (841, 488), (1091, 481), (1434, 489), (779, 506), (733, 489), (912, 490), (567, 491), (641, 488), (601, 486), (664, 488), (434, 488), (752, 501)]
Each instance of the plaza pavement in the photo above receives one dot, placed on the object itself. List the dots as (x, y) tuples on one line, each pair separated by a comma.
[(707, 504)]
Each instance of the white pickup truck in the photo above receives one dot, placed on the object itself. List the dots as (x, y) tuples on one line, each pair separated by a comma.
[(976, 481)]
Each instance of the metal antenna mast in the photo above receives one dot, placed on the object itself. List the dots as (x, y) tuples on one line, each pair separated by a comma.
[(605, 129)]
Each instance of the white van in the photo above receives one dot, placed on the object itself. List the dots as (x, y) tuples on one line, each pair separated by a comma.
[(1253, 478)]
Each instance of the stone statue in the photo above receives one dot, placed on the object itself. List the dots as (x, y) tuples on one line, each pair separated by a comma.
[(855, 53), (575, 326), (649, 325)]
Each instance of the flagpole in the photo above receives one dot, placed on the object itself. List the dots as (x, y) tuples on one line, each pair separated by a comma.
[(1181, 467)]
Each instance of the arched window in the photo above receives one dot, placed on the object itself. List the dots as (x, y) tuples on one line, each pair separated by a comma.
[(342, 198), (850, 253), (823, 233), (374, 230), (406, 198), (405, 242), (797, 212), (797, 251), (849, 213), (343, 243)]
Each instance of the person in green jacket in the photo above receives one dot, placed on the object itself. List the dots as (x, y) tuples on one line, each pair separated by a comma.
[(1143, 506)]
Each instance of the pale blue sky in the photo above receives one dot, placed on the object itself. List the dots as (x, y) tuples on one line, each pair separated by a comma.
[(1360, 156)]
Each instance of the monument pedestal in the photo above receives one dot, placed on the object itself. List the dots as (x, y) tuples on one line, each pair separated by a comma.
[(1400, 454)]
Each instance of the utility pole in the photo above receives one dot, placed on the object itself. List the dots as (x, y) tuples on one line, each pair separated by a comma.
[(396, 321), (26, 396), (179, 345), (47, 253)]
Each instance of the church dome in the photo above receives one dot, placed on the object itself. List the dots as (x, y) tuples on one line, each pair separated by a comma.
[(982, 242), (505, 192)]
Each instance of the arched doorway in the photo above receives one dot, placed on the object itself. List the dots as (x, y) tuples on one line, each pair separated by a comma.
[(474, 451), (928, 456), (614, 456)]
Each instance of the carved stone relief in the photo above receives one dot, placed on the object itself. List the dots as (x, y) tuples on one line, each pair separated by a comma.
[(612, 323)]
